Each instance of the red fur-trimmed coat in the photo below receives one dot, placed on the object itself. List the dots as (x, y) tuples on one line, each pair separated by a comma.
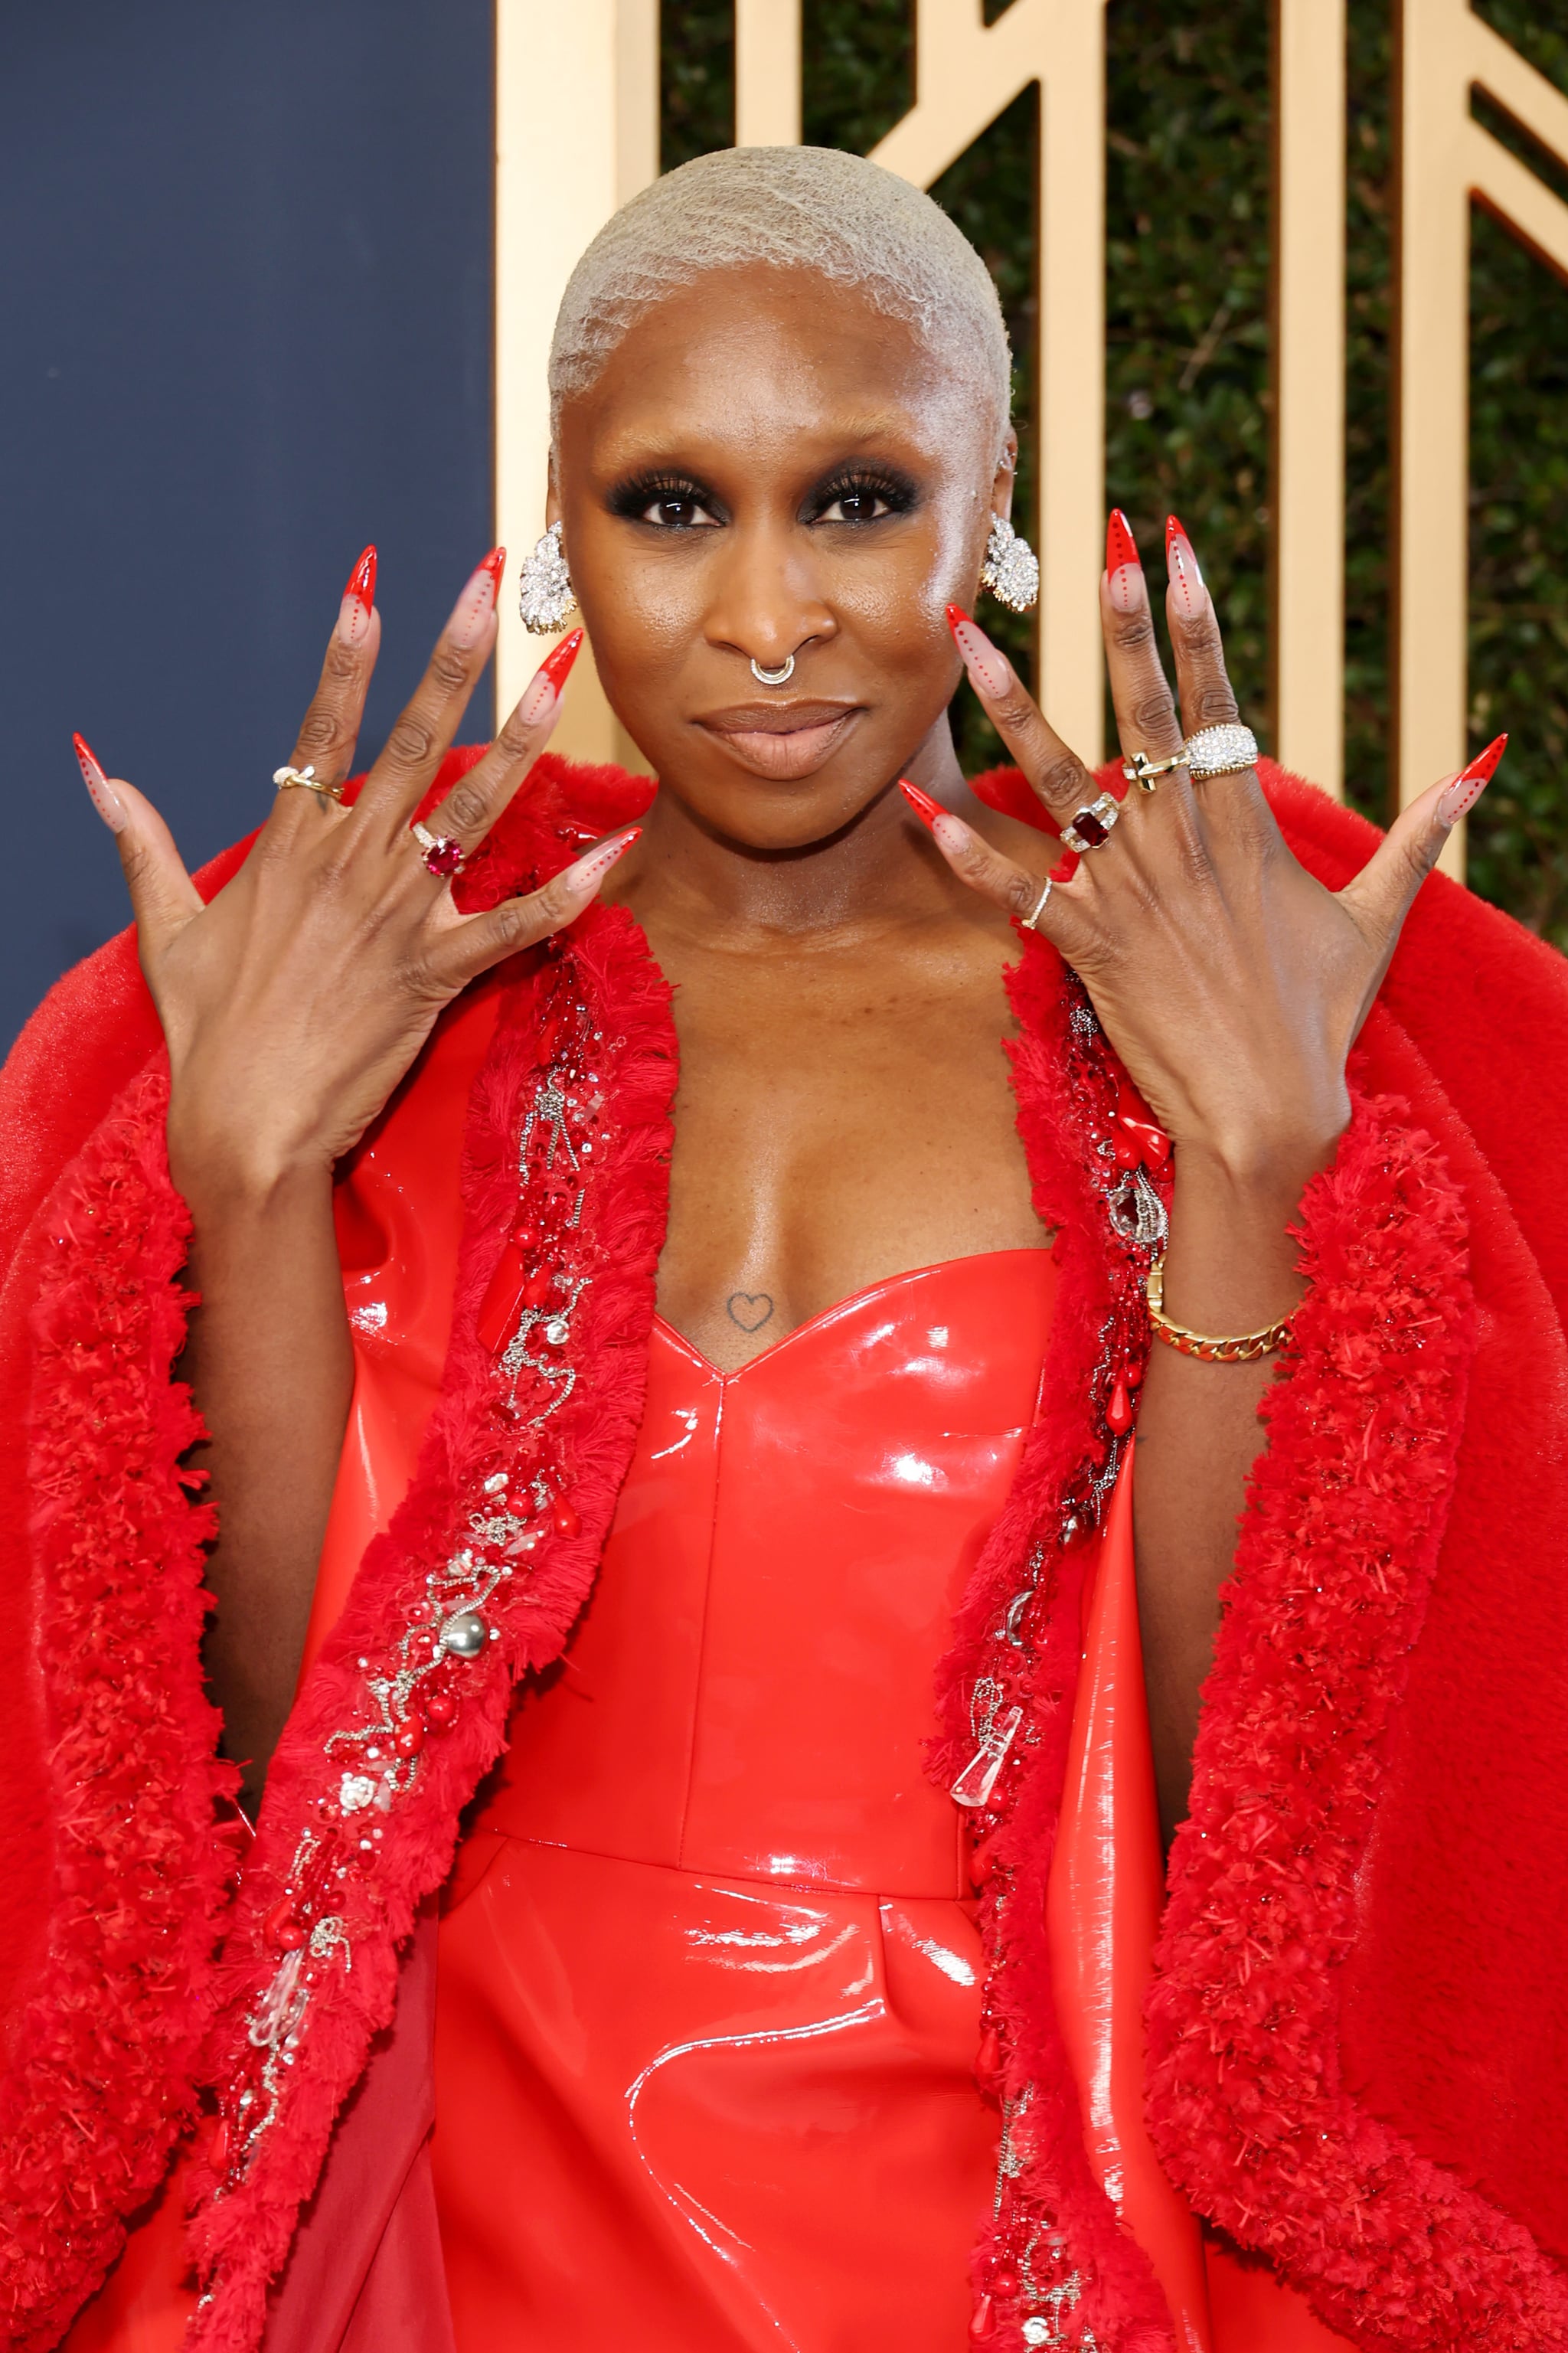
[(1358, 2030)]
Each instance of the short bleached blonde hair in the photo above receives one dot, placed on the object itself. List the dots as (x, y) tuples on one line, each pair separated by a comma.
[(811, 209)]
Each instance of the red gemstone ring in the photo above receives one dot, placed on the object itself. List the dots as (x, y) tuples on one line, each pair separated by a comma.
[(441, 855), (1091, 826)]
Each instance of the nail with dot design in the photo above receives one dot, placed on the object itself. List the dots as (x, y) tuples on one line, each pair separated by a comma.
[(1123, 573), (587, 872), (359, 601), (987, 665), (1471, 783), (472, 611), (105, 799), (548, 683), (1186, 580)]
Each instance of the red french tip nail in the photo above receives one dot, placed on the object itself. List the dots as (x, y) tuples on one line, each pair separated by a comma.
[(362, 581), (956, 615), (88, 760), (924, 807), (1120, 547), (1175, 529), (495, 565), (557, 665), (1484, 766)]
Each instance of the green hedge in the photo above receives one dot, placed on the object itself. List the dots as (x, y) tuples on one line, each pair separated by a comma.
[(1187, 356)]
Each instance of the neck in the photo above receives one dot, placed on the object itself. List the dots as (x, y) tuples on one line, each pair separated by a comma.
[(882, 868)]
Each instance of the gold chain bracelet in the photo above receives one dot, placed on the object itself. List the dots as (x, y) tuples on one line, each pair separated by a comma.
[(1242, 1349)]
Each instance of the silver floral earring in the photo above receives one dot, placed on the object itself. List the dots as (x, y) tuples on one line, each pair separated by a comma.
[(544, 594), (1012, 569)]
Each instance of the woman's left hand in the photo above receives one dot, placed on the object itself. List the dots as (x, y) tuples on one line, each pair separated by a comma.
[(1231, 983)]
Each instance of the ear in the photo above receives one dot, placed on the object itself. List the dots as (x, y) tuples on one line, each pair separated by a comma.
[(1005, 476)]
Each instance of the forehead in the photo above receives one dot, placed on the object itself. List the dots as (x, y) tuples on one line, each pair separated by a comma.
[(768, 360)]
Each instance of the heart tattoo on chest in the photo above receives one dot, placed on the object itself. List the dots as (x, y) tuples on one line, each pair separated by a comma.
[(749, 1309)]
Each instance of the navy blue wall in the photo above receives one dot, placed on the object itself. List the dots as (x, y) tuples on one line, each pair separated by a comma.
[(245, 327)]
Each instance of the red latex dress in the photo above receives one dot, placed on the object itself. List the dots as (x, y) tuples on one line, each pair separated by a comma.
[(708, 1987)]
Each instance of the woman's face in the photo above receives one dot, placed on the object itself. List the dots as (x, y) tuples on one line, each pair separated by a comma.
[(767, 466)]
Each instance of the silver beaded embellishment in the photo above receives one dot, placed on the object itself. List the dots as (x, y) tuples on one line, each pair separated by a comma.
[(515, 1502)]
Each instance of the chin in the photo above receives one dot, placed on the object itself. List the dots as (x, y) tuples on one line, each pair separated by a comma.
[(781, 814)]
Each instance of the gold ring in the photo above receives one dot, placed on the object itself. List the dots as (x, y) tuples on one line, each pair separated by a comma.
[(1032, 923), (1141, 770), (283, 777)]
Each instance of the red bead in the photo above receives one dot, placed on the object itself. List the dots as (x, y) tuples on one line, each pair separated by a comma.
[(564, 1518), (281, 1929), (990, 2052), (983, 2322), (440, 1710), (539, 1286), (1004, 2280), (1118, 1412), (498, 1314), (1126, 1154), (410, 1737), (548, 1038), (217, 2147), (526, 1234)]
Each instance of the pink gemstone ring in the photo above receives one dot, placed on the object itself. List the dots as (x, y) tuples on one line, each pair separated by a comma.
[(441, 855)]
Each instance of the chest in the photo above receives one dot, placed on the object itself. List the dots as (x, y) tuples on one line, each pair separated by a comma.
[(843, 1115)]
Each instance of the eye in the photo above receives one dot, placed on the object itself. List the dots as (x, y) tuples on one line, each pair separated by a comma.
[(675, 511), (861, 499), (859, 505), (665, 502)]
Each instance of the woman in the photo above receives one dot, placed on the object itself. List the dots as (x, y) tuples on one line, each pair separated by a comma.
[(815, 1344)]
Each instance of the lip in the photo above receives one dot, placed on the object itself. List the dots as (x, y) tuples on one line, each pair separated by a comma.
[(781, 740)]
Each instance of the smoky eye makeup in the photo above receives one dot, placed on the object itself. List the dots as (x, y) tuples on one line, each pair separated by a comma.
[(860, 494), (666, 501)]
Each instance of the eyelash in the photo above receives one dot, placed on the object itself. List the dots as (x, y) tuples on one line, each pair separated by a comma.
[(632, 499)]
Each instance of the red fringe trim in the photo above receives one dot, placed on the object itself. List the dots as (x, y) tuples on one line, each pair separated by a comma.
[(1338, 1549), (242, 2238), (102, 2081)]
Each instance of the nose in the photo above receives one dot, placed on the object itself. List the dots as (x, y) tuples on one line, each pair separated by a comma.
[(767, 604)]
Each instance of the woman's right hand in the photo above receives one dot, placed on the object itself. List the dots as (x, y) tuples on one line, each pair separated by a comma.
[(295, 1000)]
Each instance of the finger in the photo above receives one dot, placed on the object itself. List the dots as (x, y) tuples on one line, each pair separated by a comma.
[(330, 729), (163, 896), (1380, 896), (1054, 914), (1056, 774), (477, 941), (1202, 683), (474, 802), (1140, 691), (425, 728)]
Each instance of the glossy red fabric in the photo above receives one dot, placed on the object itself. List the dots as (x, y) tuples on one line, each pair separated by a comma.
[(712, 2005)]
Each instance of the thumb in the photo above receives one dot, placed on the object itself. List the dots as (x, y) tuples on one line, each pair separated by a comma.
[(163, 896), (1381, 895)]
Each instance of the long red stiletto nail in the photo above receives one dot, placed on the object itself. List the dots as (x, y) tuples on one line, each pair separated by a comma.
[(924, 807), (543, 690), (477, 601), (1123, 571), (597, 862), (950, 831), (359, 600), (1181, 566), (105, 799), (1471, 783), (987, 663)]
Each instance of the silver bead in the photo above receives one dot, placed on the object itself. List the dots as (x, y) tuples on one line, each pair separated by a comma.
[(466, 1636), (557, 1332)]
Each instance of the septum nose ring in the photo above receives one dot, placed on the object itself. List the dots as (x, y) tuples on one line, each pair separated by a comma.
[(774, 677)]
